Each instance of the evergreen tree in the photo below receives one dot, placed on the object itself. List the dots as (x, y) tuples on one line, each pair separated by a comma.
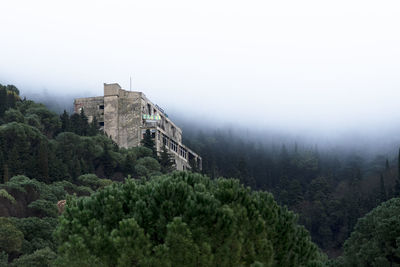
[(3, 100), (65, 122), (94, 127), (107, 162), (397, 185), (382, 196), (148, 142), (182, 219), (75, 124), (375, 239), (84, 125), (6, 175), (166, 160), (43, 163)]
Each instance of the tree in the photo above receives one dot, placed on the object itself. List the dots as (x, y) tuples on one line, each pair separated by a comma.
[(94, 127), (65, 122), (166, 160), (10, 237), (375, 239), (6, 175), (40, 258), (181, 219), (43, 163), (382, 193), (397, 185), (148, 142), (84, 125)]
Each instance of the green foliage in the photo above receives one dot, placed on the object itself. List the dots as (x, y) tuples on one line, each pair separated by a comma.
[(6, 195), (149, 143), (44, 208), (49, 120), (10, 237), (3, 259), (21, 183), (12, 115), (38, 233), (23, 142), (397, 185), (375, 240), (9, 97), (40, 258), (166, 160), (147, 167), (90, 180), (182, 218), (84, 190)]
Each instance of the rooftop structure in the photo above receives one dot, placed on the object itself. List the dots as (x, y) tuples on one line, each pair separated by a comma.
[(126, 115)]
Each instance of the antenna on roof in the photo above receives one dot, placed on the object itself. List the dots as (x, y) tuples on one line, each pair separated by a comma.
[(130, 83)]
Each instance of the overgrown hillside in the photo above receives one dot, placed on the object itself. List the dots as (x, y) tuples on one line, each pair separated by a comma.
[(124, 207)]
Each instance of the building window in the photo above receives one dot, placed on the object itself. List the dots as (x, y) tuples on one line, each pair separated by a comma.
[(182, 152), (165, 140), (101, 123), (174, 146), (149, 109), (101, 107)]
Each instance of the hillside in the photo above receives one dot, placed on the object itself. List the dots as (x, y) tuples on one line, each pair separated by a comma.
[(118, 198)]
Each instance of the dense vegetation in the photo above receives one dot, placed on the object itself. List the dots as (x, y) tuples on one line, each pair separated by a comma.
[(184, 218), (375, 240), (329, 189)]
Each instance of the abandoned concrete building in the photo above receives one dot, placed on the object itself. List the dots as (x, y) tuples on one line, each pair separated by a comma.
[(126, 115)]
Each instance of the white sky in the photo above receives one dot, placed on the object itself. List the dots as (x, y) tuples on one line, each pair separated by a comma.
[(305, 65)]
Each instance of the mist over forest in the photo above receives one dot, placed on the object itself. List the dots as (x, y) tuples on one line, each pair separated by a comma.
[(364, 139), (293, 107)]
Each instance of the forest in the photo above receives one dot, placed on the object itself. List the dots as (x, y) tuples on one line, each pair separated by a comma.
[(253, 204)]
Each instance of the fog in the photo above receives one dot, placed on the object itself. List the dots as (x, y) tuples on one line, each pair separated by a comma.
[(312, 70)]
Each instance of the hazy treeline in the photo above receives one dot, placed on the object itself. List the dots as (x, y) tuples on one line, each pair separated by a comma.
[(330, 189)]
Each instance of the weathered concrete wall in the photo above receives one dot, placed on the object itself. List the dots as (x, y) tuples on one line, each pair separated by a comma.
[(91, 107), (129, 120), (111, 111)]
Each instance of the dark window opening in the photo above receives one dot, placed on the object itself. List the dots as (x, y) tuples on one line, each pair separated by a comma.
[(101, 107), (149, 109), (101, 123)]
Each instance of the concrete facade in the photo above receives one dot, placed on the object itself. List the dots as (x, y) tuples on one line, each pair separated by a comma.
[(126, 115)]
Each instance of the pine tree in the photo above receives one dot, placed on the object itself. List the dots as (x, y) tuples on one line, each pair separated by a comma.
[(382, 196), (44, 161), (84, 125), (94, 127), (3, 101), (148, 142), (65, 122), (397, 185), (5, 174), (167, 161)]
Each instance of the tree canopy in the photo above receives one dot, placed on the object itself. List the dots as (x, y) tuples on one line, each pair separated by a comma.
[(375, 240), (182, 219)]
